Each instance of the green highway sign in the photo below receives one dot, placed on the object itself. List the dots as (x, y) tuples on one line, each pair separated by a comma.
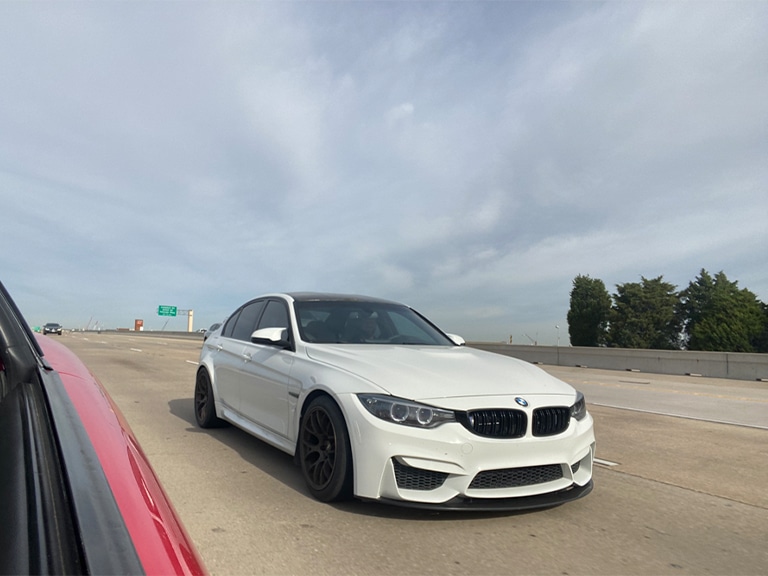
[(166, 310)]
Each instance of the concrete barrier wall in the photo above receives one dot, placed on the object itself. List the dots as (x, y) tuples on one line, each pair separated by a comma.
[(712, 364), (155, 333)]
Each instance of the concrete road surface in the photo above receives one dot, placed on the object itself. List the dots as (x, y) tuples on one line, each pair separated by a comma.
[(677, 495)]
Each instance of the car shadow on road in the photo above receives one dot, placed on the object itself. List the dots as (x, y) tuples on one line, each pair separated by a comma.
[(266, 458), (281, 467)]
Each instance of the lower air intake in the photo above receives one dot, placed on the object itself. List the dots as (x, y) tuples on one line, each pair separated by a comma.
[(516, 477), (409, 478)]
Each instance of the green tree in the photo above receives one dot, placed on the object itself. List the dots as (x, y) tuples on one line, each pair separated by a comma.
[(589, 312), (717, 315), (644, 315)]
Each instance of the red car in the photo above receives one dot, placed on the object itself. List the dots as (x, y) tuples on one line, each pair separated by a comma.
[(79, 495)]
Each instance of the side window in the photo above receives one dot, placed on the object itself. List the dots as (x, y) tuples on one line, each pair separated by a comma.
[(275, 316), (230, 324), (246, 321)]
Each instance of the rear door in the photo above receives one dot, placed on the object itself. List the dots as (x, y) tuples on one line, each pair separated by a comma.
[(264, 392), (229, 367)]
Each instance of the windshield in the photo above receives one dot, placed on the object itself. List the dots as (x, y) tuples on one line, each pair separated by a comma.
[(361, 322)]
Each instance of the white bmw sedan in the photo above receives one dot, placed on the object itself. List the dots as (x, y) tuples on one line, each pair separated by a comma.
[(375, 402)]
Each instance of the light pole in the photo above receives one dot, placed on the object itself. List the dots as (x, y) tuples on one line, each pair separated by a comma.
[(558, 334)]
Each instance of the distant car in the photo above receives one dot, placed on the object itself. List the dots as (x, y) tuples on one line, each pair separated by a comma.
[(375, 402), (79, 495), (52, 328), (206, 333)]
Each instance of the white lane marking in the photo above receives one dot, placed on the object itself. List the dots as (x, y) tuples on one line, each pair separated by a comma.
[(605, 462), (136, 349), (191, 362), (742, 424)]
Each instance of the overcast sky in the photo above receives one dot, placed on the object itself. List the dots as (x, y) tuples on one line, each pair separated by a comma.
[(467, 158)]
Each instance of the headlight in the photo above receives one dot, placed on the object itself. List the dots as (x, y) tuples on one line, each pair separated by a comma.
[(579, 408), (405, 412)]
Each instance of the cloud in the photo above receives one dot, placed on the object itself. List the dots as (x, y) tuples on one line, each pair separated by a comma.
[(468, 158), (399, 113)]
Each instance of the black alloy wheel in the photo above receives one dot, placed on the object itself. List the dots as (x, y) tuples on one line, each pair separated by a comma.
[(325, 452), (205, 411)]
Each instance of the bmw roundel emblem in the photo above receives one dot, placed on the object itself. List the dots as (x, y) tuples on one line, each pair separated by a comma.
[(521, 401)]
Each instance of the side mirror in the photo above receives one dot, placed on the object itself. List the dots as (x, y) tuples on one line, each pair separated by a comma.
[(271, 337), (458, 340)]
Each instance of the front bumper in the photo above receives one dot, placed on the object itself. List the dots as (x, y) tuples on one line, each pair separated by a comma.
[(500, 504), (450, 468)]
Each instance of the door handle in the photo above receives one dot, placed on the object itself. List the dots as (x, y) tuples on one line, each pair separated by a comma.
[(247, 356)]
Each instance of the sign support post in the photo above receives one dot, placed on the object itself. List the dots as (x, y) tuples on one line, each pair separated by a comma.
[(174, 311)]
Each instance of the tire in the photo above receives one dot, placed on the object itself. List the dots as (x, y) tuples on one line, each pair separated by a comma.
[(325, 453), (205, 410)]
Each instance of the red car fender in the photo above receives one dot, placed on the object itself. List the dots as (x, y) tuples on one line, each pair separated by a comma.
[(161, 542)]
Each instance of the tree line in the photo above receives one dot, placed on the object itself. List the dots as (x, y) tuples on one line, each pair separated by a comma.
[(712, 313)]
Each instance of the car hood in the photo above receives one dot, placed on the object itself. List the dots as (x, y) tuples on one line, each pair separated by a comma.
[(435, 372)]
